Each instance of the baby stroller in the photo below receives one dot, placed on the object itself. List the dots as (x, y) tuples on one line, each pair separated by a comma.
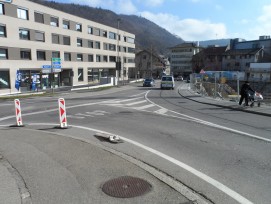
[(254, 97)]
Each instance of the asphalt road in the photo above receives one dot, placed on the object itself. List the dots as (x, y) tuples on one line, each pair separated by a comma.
[(206, 148)]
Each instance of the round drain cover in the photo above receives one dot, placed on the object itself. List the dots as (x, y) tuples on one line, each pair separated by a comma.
[(126, 187)]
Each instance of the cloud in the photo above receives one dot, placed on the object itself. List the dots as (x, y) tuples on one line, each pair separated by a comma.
[(126, 7), (152, 3), (188, 29)]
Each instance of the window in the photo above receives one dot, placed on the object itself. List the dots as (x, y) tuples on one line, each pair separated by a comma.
[(24, 34), (104, 33), (105, 46), (112, 35), (90, 58), (67, 56), (41, 55), (2, 11), (98, 58), (39, 17), (105, 58), (39, 36), (54, 21), (22, 13), (112, 47), (124, 49), (56, 54), (55, 38), (90, 30), (130, 40), (96, 31), (79, 27), (3, 53), (131, 50), (25, 54), (79, 42), (66, 40), (4, 80), (90, 44), (79, 57), (97, 45), (3, 31), (112, 59), (66, 24), (80, 74)]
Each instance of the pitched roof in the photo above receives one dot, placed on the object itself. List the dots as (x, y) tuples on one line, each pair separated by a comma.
[(242, 51)]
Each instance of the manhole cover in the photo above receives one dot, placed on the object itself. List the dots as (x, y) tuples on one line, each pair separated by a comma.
[(126, 187)]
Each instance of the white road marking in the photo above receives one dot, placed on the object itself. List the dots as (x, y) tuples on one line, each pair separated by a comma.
[(209, 123), (144, 107), (138, 94), (239, 198), (135, 103), (161, 111)]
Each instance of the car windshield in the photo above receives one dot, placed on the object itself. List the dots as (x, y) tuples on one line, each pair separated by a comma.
[(167, 79), (148, 80)]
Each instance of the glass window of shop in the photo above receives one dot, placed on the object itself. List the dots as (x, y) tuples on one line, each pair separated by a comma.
[(93, 75), (4, 79)]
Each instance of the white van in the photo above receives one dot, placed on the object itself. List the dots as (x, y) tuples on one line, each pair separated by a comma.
[(167, 82)]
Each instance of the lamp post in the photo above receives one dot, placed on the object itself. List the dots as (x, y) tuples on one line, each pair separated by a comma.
[(118, 64)]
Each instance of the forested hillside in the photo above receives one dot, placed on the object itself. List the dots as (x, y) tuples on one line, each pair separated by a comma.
[(148, 34)]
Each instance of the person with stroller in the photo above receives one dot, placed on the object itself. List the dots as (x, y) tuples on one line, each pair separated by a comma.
[(244, 92)]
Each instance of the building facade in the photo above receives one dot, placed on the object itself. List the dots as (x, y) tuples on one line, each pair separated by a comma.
[(150, 64), (58, 49), (181, 58)]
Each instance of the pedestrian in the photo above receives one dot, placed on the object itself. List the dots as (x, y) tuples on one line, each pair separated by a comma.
[(244, 92)]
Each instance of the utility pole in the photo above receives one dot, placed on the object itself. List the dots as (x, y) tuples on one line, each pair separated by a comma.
[(151, 61)]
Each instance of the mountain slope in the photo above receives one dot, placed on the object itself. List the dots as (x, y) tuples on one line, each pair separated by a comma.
[(148, 34)]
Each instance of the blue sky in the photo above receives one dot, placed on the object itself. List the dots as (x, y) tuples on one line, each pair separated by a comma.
[(197, 20)]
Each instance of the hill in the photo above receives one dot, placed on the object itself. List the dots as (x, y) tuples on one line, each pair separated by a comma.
[(148, 34)]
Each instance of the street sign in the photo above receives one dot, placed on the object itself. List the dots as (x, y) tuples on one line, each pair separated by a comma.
[(46, 71), (56, 62), (57, 70), (57, 66), (46, 66), (56, 59)]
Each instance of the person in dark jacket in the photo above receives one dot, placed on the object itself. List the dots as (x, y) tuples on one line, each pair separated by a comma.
[(245, 93)]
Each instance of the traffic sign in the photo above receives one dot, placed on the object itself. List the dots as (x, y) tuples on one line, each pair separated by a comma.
[(57, 70), (46, 66), (46, 71), (57, 66), (56, 59), (56, 62), (6, 1)]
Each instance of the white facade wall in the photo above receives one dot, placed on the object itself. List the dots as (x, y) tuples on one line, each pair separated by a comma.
[(12, 40)]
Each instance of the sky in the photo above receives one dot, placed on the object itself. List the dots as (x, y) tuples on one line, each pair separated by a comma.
[(197, 20)]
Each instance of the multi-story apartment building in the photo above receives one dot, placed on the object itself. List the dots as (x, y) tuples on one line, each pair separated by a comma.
[(34, 37), (181, 58)]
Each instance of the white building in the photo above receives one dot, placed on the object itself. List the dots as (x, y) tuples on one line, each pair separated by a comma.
[(32, 36)]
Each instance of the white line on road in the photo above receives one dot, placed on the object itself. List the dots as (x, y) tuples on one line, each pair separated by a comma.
[(144, 107), (135, 103), (239, 198), (209, 123)]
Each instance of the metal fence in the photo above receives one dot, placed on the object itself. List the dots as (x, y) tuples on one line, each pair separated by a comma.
[(226, 85)]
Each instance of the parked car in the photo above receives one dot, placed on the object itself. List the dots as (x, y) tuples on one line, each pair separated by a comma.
[(148, 82), (179, 78), (167, 82)]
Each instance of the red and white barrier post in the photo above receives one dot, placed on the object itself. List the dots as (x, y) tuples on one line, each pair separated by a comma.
[(62, 113), (18, 113)]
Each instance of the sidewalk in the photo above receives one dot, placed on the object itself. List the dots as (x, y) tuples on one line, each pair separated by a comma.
[(188, 93)]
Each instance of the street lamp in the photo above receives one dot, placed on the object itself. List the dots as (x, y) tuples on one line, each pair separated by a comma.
[(118, 63)]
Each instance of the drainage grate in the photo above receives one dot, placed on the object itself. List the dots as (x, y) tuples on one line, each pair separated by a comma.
[(126, 187)]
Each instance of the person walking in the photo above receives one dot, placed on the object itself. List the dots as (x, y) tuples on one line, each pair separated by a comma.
[(244, 92)]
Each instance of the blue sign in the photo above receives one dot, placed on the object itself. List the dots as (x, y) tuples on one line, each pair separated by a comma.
[(46, 66), (56, 63), (57, 66)]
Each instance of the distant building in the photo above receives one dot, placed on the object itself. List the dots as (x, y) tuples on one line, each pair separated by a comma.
[(150, 64), (208, 59), (181, 58), (32, 35)]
